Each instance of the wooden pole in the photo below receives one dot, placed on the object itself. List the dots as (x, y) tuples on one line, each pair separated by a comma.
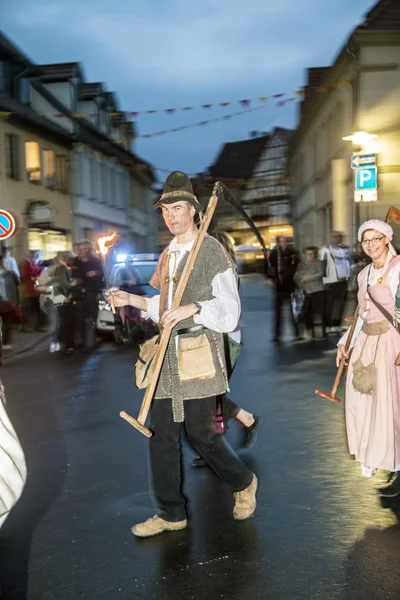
[(139, 423)]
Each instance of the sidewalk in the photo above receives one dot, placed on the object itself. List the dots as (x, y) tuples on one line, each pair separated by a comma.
[(25, 342)]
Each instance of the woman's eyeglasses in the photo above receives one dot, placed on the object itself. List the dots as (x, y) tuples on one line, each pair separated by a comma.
[(374, 241)]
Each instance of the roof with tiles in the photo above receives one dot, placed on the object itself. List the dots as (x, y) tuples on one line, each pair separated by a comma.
[(59, 71), (90, 90), (383, 16), (238, 159)]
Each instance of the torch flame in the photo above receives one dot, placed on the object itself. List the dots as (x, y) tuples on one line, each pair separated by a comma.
[(104, 243)]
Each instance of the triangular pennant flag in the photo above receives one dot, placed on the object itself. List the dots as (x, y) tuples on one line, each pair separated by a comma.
[(169, 111), (151, 112), (262, 98), (206, 105), (245, 102), (278, 95), (187, 108), (225, 103)]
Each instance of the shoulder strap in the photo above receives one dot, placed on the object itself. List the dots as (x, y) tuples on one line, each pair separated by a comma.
[(381, 308)]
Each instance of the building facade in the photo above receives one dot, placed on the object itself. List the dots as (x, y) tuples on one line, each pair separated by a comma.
[(267, 197), (35, 158), (68, 172), (360, 92)]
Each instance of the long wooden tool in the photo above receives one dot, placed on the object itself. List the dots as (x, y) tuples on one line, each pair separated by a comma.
[(332, 395), (139, 423), (393, 213)]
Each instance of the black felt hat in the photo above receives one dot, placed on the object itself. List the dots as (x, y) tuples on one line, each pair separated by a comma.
[(178, 187)]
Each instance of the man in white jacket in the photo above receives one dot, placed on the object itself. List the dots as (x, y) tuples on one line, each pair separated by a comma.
[(337, 268)]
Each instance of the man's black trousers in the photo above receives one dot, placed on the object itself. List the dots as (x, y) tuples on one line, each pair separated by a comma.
[(165, 453)]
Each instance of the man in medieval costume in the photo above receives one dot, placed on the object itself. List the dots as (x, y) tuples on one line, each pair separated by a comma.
[(194, 371)]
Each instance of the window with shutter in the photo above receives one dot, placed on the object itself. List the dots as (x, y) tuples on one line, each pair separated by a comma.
[(11, 144), (49, 169), (32, 162), (61, 174)]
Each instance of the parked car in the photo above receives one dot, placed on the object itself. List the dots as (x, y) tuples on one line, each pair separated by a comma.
[(133, 275)]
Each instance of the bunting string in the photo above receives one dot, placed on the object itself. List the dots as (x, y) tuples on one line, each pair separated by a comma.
[(200, 179), (281, 99), (198, 124)]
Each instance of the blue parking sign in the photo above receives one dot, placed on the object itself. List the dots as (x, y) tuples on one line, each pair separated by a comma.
[(366, 178)]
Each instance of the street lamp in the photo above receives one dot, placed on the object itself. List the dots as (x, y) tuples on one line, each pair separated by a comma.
[(360, 138)]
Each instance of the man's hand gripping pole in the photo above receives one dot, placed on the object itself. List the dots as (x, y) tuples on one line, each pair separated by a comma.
[(139, 423)]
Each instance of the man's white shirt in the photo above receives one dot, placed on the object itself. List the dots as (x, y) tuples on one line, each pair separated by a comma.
[(221, 314)]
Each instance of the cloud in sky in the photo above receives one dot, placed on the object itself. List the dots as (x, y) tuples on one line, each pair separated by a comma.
[(161, 53)]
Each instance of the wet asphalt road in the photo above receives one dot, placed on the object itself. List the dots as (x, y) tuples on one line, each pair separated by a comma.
[(319, 531)]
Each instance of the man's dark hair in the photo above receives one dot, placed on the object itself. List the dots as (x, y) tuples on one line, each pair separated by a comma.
[(310, 249)]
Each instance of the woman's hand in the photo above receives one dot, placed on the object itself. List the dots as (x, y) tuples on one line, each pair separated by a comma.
[(176, 315), (397, 361), (340, 354), (117, 297)]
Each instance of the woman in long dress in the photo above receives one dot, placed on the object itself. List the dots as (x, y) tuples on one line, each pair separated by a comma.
[(373, 377)]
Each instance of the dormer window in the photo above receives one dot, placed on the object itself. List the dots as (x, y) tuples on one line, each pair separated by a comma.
[(24, 91)]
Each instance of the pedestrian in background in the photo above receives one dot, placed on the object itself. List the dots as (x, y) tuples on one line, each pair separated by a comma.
[(30, 270), (60, 283), (10, 263), (8, 295), (337, 272), (284, 260), (90, 277), (308, 277)]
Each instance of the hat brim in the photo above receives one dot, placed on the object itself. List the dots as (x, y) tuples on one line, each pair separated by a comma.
[(175, 199)]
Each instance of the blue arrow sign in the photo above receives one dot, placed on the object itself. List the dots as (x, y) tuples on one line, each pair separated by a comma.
[(363, 160), (366, 178)]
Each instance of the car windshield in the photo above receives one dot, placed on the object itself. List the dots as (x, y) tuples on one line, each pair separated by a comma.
[(134, 274)]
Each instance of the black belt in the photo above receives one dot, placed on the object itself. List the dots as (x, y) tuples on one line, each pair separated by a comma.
[(190, 329)]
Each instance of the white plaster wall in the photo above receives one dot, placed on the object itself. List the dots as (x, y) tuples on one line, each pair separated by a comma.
[(42, 106)]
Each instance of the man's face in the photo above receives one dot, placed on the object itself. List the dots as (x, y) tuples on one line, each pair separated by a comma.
[(84, 250), (282, 241), (336, 238), (178, 217), (310, 256)]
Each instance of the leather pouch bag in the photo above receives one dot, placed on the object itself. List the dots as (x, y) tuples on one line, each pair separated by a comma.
[(363, 377), (143, 366), (195, 359)]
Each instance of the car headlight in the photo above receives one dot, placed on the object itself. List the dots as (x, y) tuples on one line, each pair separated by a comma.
[(103, 305)]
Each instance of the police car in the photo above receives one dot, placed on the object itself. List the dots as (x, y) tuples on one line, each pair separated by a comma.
[(131, 273)]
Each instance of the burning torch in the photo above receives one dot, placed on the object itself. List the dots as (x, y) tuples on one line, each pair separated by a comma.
[(104, 244)]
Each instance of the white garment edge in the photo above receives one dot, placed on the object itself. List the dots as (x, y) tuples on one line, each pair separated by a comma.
[(221, 314), (374, 275)]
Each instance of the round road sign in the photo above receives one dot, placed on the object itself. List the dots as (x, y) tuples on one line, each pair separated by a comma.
[(7, 224)]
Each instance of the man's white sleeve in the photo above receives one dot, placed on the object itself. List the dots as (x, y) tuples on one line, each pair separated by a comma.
[(221, 314), (153, 309)]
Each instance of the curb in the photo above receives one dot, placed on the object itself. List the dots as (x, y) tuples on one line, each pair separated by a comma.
[(27, 348)]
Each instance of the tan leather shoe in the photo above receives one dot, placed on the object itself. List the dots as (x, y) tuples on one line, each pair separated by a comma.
[(245, 501), (157, 525)]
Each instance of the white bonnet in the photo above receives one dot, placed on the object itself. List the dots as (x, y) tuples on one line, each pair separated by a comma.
[(378, 226)]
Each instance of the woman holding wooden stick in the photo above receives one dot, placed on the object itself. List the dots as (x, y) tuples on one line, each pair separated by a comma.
[(373, 378)]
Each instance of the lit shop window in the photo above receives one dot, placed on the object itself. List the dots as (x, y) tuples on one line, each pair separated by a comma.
[(32, 161), (49, 169)]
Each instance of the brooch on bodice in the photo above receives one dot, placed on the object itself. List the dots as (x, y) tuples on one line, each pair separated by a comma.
[(379, 280)]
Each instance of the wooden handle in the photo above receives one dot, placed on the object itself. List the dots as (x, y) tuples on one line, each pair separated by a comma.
[(166, 332), (346, 348)]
